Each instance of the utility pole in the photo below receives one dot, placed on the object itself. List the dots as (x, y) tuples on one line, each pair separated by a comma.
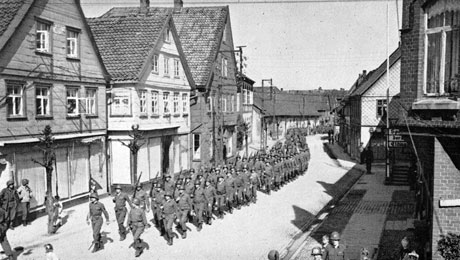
[(264, 144)]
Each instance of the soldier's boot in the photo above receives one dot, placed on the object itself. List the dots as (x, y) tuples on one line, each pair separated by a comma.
[(122, 235), (184, 234), (170, 239), (139, 247), (96, 247), (209, 222), (200, 226)]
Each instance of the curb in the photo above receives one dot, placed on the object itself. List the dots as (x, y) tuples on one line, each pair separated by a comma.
[(325, 209)]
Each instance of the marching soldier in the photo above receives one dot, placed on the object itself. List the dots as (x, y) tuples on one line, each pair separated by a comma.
[(143, 197), (210, 195), (239, 163), (169, 216), (120, 200), (96, 209), (239, 189), (158, 196), (9, 200), (169, 184), (4, 224), (189, 186), (255, 182), (199, 201), (335, 251), (221, 196), (184, 204), (246, 186), (230, 191), (137, 222)]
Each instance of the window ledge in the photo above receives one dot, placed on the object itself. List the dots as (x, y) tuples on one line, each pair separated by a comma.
[(436, 104), (91, 116), (44, 117), (155, 116), (185, 114), (177, 77), (120, 115), (176, 115), (73, 58), (73, 116), (16, 118), (154, 72), (167, 115), (49, 54), (144, 116), (166, 76)]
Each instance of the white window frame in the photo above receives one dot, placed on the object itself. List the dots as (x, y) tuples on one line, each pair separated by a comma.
[(166, 66), (155, 105), (73, 43), (381, 103), (176, 68), (121, 103), (75, 98), (168, 35), (223, 104), (155, 63), (184, 103), (176, 108), (143, 102), (166, 101), (40, 98), (210, 107), (15, 97), (43, 36), (224, 67), (91, 101)]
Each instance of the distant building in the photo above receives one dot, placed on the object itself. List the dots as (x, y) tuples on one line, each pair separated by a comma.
[(246, 97), (51, 74)]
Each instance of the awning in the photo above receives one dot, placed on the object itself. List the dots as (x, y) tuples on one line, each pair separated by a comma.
[(56, 137)]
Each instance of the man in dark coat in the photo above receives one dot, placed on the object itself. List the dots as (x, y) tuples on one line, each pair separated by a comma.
[(9, 202), (3, 228), (369, 158)]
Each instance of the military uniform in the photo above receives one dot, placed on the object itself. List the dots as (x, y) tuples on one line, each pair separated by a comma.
[(96, 209), (120, 200), (230, 191), (4, 224), (210, 196), (170, 210), (9, 200), (143, 198), (221, 196), (137, 223), (157, 201), (199, 201), (335, 253), (184, 203)]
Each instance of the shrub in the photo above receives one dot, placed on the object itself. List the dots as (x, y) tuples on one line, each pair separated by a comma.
[(449, 246)]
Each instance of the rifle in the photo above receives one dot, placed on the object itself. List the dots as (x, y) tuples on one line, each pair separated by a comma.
[(151, 186), (137, 183), (175, 184)]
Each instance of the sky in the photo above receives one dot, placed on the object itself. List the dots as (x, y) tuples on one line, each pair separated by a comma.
[(301, 44)]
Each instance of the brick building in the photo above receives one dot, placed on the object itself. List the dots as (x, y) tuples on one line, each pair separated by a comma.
[(429, 109), (51, 74)]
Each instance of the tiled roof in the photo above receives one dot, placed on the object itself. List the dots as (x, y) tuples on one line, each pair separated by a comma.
[(288, 104), (375, 75), (11, 14), (200, 31), (125, 37)]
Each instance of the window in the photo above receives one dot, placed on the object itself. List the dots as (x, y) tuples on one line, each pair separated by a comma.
[(43, 36), (166, 66), (176, 103), (167, 35), (91, 101), (143, 101), (121, 104), (184, 103), (442, 51), (224, 68), (244, 97), (223, 103), (166, 110), (196, 147), (176, 68), (210, 104), (72, 101), (72, 43), (42, 101), (155, 63), (381, 107), (15, 99), (155, 109), (233, 103)]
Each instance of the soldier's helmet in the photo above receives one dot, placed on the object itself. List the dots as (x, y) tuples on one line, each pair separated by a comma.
[(316, 251), (25, 181), (94, 195), (192, 170), (118, 187), (197, 182), (220, 177), (168, 194), (139, 185), (10, 182), (48, 247), (167, 176), (273, 255), (181, 187), (335, 235), (136, 202)]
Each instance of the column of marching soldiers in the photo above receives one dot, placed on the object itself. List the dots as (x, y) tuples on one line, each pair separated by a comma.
[(197, 196)]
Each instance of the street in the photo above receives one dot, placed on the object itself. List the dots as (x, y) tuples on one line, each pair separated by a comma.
[(248, 233)]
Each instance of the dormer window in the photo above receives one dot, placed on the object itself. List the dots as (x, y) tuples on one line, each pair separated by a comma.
[(167, 35), (442, 50), (155, 63)]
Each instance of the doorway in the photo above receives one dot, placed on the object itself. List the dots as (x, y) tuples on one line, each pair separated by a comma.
[(165, 148)]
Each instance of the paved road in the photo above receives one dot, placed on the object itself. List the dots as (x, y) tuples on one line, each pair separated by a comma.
[(246, 234)]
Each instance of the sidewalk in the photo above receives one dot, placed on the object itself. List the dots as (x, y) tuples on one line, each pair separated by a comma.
[(371, 215)]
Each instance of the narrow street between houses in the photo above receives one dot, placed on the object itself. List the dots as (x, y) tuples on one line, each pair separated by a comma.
[(272, 223)]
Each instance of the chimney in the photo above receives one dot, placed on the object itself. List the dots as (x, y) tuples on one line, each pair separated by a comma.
[(145, 4), (178, 4)]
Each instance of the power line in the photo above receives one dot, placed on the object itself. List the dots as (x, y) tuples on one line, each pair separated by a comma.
[(236, 2)]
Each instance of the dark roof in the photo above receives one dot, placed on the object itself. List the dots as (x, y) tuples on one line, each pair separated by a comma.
[(125, 39), (11, 14), (288, 104), (200, 31), (376, 74)]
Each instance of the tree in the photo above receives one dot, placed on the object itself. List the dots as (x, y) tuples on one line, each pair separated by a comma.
[(449, 246), (242, 129), (49, 159), (134, 145)]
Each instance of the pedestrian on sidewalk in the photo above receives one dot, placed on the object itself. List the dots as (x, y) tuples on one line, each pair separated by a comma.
[(273, 255), (335, 251), (4, 224), (137, 223), (25, 194), (369, 159), (49, 252), (96, 209), (361, 153), (9, 200), (404, 250), (57, 213)]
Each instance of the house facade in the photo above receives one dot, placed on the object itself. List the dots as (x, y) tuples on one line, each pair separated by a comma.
[(150, 92), (206, 36), (245, 101), (51, 74), (429, 111)]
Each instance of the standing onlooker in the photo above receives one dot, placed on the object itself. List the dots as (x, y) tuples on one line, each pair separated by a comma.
[(335, 251), (49, 252), (324, 244), (25, 194), (4, 224), (9, 202), (361, 153), (57, 213), (369, 158), (404, 250)]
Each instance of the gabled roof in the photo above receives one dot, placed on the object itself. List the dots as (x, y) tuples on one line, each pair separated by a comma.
[(126, 38), (288, 104), (12, 12), (200, 31), (376, 74)]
